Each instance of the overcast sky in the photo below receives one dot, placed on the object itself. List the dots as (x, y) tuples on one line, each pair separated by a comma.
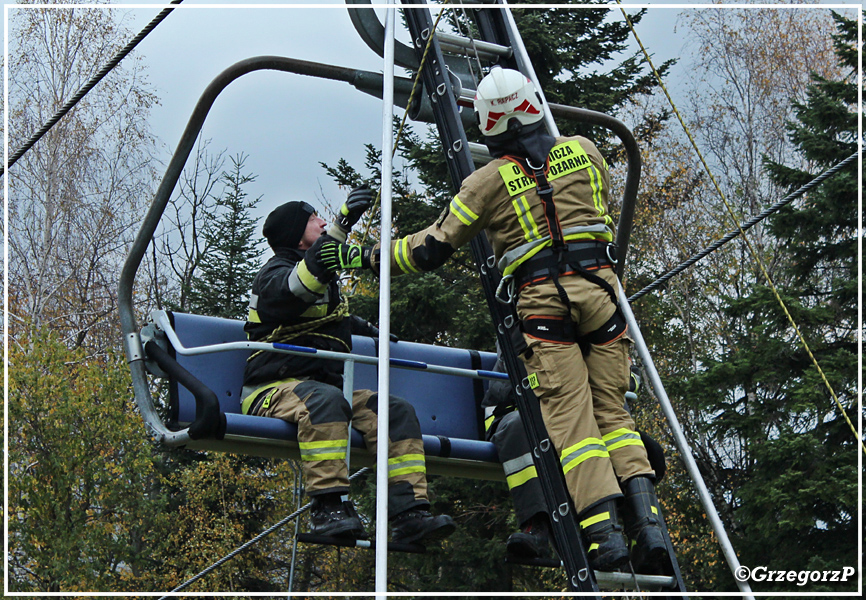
[(287, 123)]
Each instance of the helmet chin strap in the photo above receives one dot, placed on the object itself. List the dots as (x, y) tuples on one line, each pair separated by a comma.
[(531, 142)]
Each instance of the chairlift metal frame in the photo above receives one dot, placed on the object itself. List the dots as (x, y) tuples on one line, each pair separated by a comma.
[(136, 341)]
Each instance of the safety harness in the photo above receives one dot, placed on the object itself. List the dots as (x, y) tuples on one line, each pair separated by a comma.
[(563, 258)]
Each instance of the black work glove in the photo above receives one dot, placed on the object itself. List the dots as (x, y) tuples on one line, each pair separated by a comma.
[(358, 201), (336, 256), (315, 261), (363, 327)]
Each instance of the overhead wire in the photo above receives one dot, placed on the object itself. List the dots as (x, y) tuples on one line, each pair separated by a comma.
[(741, 232), (662, 279), (105, 70)]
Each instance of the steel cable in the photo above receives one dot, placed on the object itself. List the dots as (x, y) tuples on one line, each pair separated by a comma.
[(106, 69), (747, 225), (748, 243), (253, 541)]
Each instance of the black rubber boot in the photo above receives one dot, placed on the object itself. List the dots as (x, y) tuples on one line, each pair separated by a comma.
[(602, 536), (329, 515), (648, 548), (416, 525), (533, 539)]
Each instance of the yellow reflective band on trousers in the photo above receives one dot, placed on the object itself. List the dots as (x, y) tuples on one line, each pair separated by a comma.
[(605, 516), (323, 450), (401, 256), (519, 470), (462, 212), (589, 448), (524, 217), (622, 437), (408, 463), (253, 316), (521, 477)]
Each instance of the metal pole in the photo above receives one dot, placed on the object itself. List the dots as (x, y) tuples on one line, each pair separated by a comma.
[(682, 443), (348, 393), (385, 311), (298, 493)]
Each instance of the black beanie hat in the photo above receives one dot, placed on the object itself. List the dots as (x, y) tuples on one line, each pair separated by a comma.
[(285, 226)]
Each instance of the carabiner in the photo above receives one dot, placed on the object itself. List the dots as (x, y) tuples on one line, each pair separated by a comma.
[(607, 250), (507, 283)]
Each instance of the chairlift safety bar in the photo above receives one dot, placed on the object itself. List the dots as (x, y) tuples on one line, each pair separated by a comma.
[(161, 319)]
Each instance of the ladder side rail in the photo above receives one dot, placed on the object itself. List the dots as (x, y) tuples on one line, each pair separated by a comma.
[(564, 519)]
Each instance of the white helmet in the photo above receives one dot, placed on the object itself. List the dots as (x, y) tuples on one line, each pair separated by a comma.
[(503, 94)]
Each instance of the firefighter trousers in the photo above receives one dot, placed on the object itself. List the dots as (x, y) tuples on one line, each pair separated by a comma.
[(323, 415), (515, 454), (581, 397)]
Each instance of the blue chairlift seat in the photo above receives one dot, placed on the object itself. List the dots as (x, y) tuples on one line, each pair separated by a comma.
[(446, 405)]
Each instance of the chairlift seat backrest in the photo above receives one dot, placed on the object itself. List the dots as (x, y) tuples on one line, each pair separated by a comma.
[(446, 405)]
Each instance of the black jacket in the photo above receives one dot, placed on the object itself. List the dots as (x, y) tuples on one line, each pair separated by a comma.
[(273, 304)]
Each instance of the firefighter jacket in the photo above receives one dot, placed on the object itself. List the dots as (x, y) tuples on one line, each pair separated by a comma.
[(501, 198), (282, 311)]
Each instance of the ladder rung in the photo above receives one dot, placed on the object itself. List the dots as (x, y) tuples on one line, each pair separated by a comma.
[(327, 540), (606, 580), (645, 582), (457, 44), (479, 153)]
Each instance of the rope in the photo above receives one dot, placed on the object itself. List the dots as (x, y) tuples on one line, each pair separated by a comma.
[(405, 116), (89, 86), (285, 333), (253, 541), (741, 231), (745, 226)]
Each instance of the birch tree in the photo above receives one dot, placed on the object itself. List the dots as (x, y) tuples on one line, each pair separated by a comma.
[(76, 195)]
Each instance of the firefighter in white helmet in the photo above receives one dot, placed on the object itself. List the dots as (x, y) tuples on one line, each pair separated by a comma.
[(543, 202)]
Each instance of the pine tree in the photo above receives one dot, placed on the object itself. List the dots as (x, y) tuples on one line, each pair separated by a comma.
[(790, 457), (227, 270)]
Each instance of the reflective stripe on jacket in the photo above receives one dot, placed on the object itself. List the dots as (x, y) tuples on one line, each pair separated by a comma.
[(501, 199)]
